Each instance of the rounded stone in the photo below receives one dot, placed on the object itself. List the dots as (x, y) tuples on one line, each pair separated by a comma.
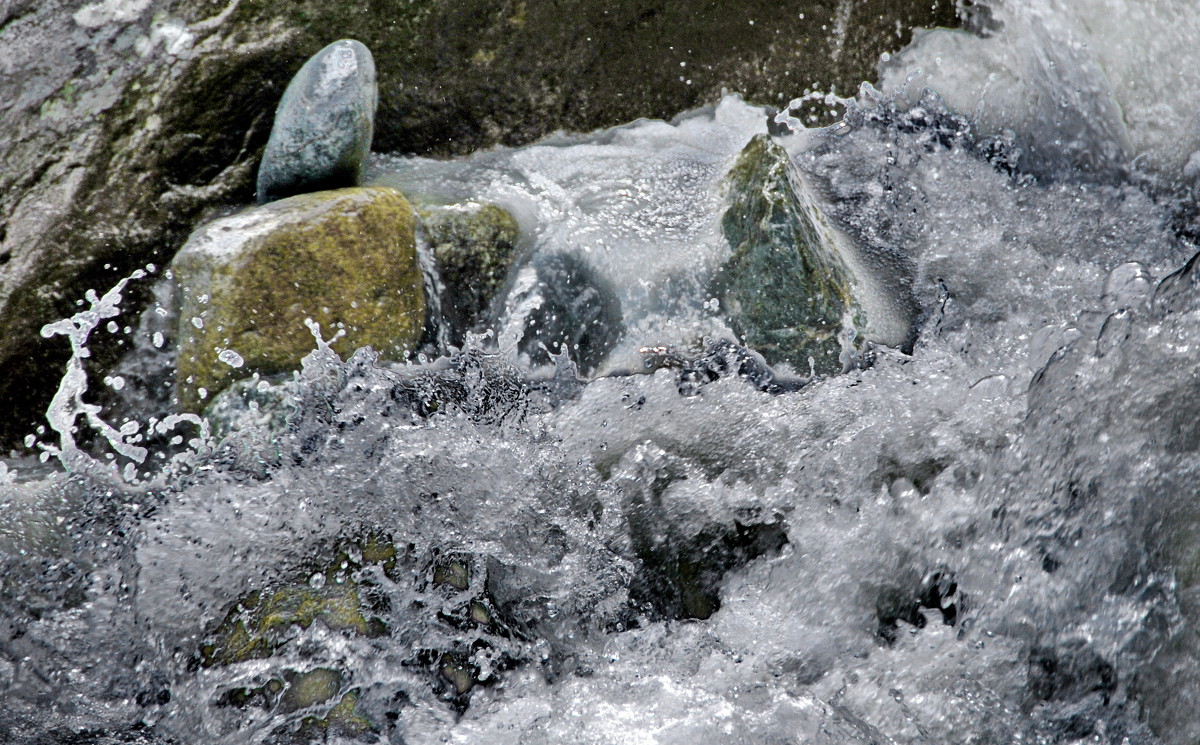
[(323, 125)]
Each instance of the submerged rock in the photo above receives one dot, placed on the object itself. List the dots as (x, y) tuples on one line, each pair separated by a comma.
[(565, 305), (346, 259), (473, 246), (323, 126), (794, 286)]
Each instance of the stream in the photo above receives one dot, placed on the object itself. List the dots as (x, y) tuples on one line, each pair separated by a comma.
[(985, 530)]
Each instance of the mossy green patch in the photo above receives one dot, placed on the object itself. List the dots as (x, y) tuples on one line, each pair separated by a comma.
[(262, 621), (309, 688), (345, 259), (343, 720), (473, 245)]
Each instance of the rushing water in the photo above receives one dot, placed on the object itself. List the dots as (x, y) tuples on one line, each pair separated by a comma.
[(992, 539)]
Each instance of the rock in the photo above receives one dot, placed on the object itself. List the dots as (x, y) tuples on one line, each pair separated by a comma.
[(683, 553), (564, 305), (448, 616), (795, 287), (323, 126), (473, 246), (252, 403), (263, 621), (126, 123), (346, 259)]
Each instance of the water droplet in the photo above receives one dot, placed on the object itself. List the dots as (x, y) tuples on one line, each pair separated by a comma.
[(231, 358)]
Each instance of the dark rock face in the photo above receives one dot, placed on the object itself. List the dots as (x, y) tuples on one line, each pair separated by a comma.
[(127, 122), (577, 311), (324, 125)]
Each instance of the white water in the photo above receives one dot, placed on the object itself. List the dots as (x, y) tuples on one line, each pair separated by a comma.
[(1028, 472)]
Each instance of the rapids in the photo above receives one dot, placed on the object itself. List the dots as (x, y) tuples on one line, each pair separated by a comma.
[(993, 539)]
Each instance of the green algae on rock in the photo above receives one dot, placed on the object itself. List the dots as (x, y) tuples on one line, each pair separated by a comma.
[(323, 126), (346, 259), (794, 286), (473, 246)]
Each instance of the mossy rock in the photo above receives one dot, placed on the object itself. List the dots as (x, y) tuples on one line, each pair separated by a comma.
[(786, 288), (452, 597), (473, 247), (289, 692), (343, 720), (247, 283), (260, 622)]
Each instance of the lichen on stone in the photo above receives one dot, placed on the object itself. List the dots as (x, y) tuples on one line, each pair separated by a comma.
[(785, 288), (473, 247), (345, 259)]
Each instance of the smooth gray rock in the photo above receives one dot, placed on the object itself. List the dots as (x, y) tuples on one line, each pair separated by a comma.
[(323, 126)]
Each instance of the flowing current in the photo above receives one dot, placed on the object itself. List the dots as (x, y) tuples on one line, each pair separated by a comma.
[(993, 539)]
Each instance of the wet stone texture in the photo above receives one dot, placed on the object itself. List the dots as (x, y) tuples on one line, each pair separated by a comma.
[(345, 259), (473, 247), (323, 126), (786, 288)]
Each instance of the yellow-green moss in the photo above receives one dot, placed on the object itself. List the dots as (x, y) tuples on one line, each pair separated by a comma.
[(343, 720), (310, 688), (345, 258), (259, 622)]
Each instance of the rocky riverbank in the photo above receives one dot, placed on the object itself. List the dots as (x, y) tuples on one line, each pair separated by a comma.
[(130, 121)]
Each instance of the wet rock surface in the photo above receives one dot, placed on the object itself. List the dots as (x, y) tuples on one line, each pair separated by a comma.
[(574, 310), (323, 126), (786, 287), (473, 246), (128, 121), (345, 259)]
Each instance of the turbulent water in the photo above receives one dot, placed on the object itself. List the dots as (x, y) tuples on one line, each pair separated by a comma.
[(993, 539)]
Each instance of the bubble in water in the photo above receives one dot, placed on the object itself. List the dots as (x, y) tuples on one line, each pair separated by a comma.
[(231, 358)]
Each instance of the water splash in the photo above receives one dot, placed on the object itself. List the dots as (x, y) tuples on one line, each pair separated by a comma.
[(68, 405)]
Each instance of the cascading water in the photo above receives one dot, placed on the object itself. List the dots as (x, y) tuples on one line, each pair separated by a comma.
[(992, 539)]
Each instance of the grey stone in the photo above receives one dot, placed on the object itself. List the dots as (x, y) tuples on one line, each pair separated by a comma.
[(576, 311), (796, 288), (323, 126)]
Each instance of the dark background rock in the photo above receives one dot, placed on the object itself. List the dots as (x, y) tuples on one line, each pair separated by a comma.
[(126, 123)]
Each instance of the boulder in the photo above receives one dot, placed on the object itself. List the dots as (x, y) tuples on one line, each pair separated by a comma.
[(473, 246), (126, 124), (563, 305), (323, 126), (247, 283)]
